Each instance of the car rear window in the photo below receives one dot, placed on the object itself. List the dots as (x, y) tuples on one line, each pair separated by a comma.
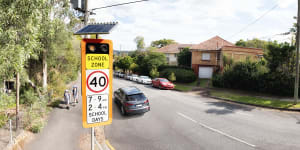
[(136, 97), (163, 80)]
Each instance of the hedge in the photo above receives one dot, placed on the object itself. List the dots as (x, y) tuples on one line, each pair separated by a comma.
[(182, 75)]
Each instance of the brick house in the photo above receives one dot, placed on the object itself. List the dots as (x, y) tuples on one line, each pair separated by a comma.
[(207, 56), (171, 51)]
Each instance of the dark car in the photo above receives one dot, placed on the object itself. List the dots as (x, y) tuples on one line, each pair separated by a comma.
[(162, 83), (131, 100)]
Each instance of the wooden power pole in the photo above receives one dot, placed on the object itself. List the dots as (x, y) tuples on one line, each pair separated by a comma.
[(297, 57)]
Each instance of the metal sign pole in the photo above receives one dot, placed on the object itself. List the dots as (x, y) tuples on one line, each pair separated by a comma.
[(93, 138)]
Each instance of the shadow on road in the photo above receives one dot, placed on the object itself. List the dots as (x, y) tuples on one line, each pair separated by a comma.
[(226, 108), (61, 104)]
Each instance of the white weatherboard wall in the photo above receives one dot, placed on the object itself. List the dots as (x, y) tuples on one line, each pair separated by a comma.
[(205, 72)]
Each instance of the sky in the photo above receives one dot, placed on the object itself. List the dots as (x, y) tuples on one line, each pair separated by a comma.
[(194, 21)]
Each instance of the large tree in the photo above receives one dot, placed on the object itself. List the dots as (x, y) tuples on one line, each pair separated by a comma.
[(184, 58), (140, 43), (161, 43), (254, 43)]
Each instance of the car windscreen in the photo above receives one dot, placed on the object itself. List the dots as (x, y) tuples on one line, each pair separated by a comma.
[(136, 97), (163, 80)]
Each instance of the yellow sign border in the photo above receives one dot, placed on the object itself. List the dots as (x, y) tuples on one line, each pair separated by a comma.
[(83, 81)]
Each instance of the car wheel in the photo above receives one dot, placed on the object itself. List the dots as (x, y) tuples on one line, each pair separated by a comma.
[(123, 111)]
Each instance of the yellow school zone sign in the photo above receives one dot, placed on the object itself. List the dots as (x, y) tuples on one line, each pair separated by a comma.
[(96, 82)]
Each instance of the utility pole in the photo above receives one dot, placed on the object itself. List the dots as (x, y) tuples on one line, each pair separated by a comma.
[(297, 57)]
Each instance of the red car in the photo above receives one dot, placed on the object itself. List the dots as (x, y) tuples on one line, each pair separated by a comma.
[(162, 83)]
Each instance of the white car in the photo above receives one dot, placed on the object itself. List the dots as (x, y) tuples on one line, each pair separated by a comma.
[(144, 80), (134, 77)]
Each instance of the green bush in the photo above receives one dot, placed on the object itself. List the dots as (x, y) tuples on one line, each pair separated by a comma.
[(182, 75), (252, 76), (37, 127), (3, 120), (29, 97)]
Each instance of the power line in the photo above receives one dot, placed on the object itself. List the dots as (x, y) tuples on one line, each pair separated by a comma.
[(253, 22), (120, 4)]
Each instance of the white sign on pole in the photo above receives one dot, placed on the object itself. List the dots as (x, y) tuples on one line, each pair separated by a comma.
[(97, 91)]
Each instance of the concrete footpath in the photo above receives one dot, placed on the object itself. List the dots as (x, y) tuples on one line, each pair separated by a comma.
[(64, 130)]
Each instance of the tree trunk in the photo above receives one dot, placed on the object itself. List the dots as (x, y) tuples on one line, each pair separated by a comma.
[(44, 71), (17, 99)]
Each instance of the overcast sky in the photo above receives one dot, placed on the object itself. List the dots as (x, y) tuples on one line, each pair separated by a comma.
[(194, 21)]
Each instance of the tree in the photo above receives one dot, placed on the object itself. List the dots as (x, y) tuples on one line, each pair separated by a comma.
[(161, 43), (18, 38), (281, 58), (184, 58), (124, 63), (140, 44), (254, 43)]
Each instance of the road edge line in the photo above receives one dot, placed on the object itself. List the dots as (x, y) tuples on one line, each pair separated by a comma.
[(109, 145)]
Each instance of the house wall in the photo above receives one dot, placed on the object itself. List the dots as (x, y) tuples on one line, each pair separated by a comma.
[(240, 54), (197, 58), (171, 59)]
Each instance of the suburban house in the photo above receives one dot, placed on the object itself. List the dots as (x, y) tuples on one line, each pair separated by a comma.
[(172, 50), (207, 56)]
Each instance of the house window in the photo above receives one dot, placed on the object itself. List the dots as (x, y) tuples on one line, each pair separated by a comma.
[(205, 56)]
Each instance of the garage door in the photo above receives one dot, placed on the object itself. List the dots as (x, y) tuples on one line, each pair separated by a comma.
[(205, 72)]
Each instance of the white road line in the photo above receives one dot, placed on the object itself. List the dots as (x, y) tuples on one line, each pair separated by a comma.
[(186, 117), (215, 130)]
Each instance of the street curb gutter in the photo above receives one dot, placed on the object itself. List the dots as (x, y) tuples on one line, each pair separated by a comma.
[(269, 107), (108, 144)]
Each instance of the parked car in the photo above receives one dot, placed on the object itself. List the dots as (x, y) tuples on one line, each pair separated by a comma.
[(135, 77), (116, 74), (131, 100), (121, 75), (127, 76), (144, 80), (131, 77), (162, 83)]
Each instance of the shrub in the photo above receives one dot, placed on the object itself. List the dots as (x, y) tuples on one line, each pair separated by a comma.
[(154, 73), (182, 75), (37, 127), (172, 77), (3, 120), (29, 97)]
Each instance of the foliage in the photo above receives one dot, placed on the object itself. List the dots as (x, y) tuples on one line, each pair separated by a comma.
[(18, 34), (163, 67), (154, 73), (140, 44), (182, 75), (29, 97), (6, 101), (149, 60), (280, 58), (172, 77), (3, 120), (254, 43), (227, 60), (124, 63), (161, 43), (184, 58)]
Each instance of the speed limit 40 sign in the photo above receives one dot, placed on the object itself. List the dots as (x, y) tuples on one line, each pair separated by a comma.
[(96, 70)]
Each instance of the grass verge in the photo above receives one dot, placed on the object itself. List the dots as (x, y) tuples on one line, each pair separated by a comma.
[(182, 87), (275, 103)]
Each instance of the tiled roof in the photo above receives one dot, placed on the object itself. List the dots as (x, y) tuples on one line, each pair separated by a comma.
[(214, 43), (173, 48)]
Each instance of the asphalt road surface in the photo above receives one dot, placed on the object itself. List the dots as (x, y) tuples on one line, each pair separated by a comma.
[(185, 121)]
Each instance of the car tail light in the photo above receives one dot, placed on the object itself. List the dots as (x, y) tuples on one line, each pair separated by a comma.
[(128, 104), (147, 101)]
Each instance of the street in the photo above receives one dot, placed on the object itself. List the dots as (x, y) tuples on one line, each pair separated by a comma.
[(185, 121)]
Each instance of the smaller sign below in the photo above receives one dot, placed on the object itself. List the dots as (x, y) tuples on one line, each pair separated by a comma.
[(97, 61), (97, 108)]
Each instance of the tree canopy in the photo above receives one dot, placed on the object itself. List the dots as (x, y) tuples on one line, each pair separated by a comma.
[(254, 43), (161, 43), (140, 43), (184, 57)]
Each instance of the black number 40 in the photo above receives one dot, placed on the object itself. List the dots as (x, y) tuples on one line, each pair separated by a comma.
[(101, 81)]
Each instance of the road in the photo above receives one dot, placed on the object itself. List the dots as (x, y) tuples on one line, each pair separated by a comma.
[(62, 131), (185, 121)]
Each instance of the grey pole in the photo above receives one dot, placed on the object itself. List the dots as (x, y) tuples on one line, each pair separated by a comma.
[(297, 57), (93, 138), (10, 131)]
